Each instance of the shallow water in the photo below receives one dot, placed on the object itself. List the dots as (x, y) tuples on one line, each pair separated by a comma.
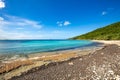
[(37, 46)]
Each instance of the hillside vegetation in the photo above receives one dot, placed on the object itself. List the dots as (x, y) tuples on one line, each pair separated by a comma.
[(110, 32)]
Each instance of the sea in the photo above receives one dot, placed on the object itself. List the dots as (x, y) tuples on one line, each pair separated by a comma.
[(26, 47)]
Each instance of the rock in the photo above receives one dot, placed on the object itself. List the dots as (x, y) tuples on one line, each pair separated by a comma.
[(69, 75), (70, 63), (80, 59), (102, 53)]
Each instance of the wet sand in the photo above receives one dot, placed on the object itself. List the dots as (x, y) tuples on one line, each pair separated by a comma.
[(103, 64)]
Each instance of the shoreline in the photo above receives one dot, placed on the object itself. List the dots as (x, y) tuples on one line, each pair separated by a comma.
[(117, 42), (101, 64), (17, 67), (38, 60), (9, 57)]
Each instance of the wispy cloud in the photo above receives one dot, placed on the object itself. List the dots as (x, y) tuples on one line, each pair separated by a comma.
[(104, 13), (66, 23), (18, 35), (2, 4), (8, 22), (59, 23), (1, 18), (63, 23), (21, 22), (108, 10)]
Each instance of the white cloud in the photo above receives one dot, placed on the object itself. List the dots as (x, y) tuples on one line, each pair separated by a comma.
[(18, 35), (10, 28), (1, 18), (66, 23), (20, 22), (59, 23), (104, 13), (13, 20), (63, 23), (2, 4)]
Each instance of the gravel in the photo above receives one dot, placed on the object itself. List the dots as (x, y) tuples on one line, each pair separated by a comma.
[(103, 64)]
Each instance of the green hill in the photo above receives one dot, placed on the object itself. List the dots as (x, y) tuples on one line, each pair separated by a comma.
[(110, 32)]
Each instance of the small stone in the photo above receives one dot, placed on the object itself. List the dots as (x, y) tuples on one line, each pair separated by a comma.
[(69, 75), (117, 77), (111, 72), (102, 53), (43, 56), (80, 59), (73, 79), (70, 63)]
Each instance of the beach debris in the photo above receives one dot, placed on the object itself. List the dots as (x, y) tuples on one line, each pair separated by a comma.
[(70, 63)]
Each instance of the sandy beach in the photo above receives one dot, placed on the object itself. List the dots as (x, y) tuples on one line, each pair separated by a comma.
[(102, 64), (117, 42), (66, 65), (59, 39), (16, 67)]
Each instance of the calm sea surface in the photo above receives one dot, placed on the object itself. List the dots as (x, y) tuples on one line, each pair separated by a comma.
[(36, 46)]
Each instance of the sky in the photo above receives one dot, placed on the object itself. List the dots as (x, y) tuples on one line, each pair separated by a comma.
[(55, 19)]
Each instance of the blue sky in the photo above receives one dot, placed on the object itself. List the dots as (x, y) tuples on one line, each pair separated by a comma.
[(55, 19)]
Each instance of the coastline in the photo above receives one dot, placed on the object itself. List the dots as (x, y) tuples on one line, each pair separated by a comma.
[(16, 67), (117, 42), (12, 68), (102, 64)]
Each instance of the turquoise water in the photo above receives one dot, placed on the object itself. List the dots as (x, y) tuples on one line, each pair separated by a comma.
[(36, 46)]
